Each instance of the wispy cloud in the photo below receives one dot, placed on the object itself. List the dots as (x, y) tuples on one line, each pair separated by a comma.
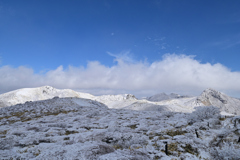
[(233, 44), (122, 57), (173, 73), (163, 47), (228, 43), (158, 42)]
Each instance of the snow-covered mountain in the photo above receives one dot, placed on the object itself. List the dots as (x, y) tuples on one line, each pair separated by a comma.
[(48, 92), (36, 94), (164, 102), (211, 97), (164, 96)]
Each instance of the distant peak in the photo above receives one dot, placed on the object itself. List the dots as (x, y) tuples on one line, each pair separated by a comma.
[(210, 95), (130, 96), (175, 94), (47, 88), (211, 90)]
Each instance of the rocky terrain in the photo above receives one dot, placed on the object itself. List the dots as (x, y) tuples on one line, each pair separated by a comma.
[(117, 127)]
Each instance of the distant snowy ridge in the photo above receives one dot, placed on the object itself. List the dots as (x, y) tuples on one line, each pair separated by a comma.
[(47, 92), (36, 94), (117, 101), (159, 102), (164, 96)]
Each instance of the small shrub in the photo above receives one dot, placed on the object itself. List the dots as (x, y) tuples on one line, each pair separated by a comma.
[(66, 138), (188, 148), (117, 146), (70, 132), (226, 151), (3, 132), (134, 126), (173, 147), (222, 119)]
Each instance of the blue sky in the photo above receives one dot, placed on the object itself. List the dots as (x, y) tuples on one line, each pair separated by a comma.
[(43, 35)]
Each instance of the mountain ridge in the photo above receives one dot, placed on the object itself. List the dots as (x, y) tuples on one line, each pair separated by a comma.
[(209, 97), (48, 92), (164, 96)]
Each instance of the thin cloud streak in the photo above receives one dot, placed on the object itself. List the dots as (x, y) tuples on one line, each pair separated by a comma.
[(173, 73)]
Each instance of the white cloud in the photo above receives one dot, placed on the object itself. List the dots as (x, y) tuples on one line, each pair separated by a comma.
[(174, 73)]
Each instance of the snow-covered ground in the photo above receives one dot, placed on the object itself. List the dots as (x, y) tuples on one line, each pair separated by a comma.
[(116, 127)]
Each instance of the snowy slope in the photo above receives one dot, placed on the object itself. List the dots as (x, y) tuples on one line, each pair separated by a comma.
[(211, 97), (75, 128), (48, 92), (164, 96), (117, 101)]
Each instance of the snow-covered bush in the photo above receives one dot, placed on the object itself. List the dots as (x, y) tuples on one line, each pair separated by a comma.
[(122, 140), (94, 151), (6, 143), (168, 114), (205, 112), (227, 151)]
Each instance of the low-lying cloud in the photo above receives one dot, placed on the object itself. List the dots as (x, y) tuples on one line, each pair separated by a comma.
[(174, 73)]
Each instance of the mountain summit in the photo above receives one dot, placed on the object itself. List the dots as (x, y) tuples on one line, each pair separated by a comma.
[(211, 97)]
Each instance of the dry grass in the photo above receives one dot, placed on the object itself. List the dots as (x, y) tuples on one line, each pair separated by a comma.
[(173, 133)]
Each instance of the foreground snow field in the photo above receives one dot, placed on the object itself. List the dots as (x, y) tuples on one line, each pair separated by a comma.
[(78, 128)]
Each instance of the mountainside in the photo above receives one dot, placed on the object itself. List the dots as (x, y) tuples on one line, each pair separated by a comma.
[(164, 96), (116, 101), (48, 92), (36, 94)]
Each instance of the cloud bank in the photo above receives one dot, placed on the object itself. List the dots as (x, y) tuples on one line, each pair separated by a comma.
[(173, 73)]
